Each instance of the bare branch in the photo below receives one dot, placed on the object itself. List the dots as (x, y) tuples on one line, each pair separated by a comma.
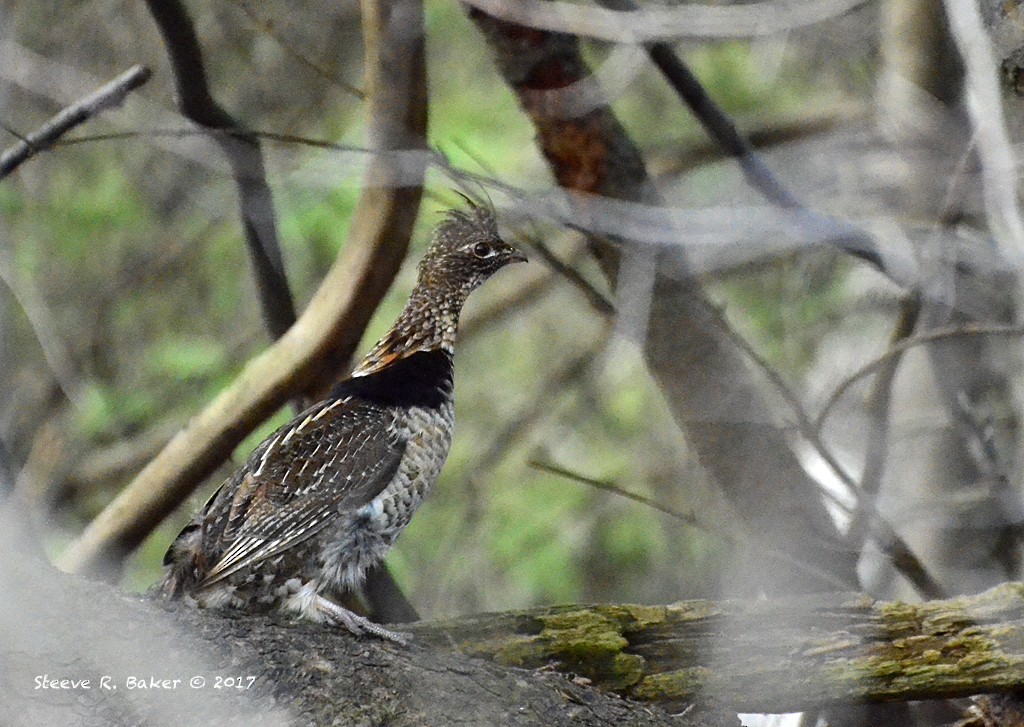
[(43, 324), (108, 96), (268, 29), (898, 350), (593, 296), (242, 150), (899, 552), (684, 517), (877, 409)]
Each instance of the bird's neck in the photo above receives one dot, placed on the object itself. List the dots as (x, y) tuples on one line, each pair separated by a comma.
[(429, 322)]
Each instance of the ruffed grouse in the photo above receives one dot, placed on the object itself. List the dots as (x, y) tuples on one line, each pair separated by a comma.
[(325, 496)]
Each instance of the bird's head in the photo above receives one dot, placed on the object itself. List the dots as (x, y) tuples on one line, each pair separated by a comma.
[(465, 250)]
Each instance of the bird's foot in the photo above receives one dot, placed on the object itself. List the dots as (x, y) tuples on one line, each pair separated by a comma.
[(337, 615)]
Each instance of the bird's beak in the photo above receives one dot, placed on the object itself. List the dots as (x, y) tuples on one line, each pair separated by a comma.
[(517, 257)]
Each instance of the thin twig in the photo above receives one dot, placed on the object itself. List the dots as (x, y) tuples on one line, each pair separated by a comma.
[(243, 153), (898, 350), (42, 321), (685, 517), (738, 537), (14, 132), (268, 29), (877, 409), (761, 133), (107, 96), (594, 297)]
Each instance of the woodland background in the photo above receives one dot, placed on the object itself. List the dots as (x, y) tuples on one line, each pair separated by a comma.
[(794, 417)]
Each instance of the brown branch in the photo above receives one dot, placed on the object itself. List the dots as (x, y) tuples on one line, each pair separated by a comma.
[(108, 96), (311, 352), (243, 153), (762, 133)]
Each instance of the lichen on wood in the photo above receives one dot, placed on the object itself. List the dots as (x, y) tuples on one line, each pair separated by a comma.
[(764, 656)]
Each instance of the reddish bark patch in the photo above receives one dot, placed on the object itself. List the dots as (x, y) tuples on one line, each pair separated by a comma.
[(577, 151)]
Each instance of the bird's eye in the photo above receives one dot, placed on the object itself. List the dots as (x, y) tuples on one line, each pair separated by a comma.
[(482, 249)]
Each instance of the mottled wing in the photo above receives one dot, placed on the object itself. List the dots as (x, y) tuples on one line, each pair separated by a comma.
[(336, 456)]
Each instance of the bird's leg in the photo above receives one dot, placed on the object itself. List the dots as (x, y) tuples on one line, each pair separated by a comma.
[(332, 613)]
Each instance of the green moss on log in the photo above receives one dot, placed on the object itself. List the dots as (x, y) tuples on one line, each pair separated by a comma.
[(587, 642)]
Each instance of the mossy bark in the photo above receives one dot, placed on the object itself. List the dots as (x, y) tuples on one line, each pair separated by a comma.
[(764, 656)]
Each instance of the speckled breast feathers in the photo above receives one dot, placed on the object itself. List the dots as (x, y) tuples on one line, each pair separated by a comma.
[(325, 496)]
